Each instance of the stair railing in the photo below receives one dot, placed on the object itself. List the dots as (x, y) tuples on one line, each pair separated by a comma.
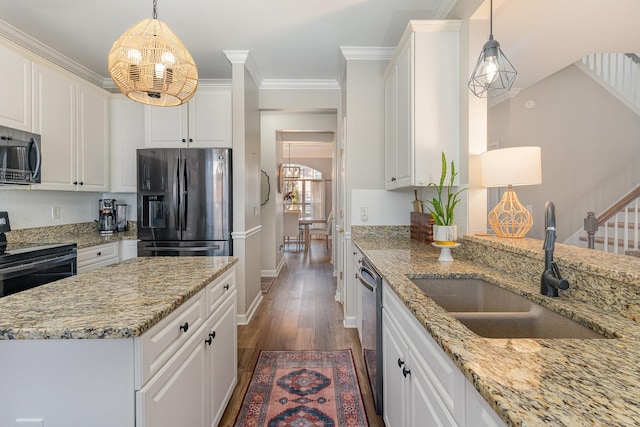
[(620, 223), (618, 71)]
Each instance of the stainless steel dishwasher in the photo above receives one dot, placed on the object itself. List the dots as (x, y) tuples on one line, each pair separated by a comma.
[(372, 329)]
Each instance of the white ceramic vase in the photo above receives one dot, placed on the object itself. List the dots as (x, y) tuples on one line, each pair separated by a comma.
[(445, 234)]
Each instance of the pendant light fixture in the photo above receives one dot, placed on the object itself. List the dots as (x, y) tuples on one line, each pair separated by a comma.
[(493, 74), (149, 64)]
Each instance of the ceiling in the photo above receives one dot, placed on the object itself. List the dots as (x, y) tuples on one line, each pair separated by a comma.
[(287, 39)]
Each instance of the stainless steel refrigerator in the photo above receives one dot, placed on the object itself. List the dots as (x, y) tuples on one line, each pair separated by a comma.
[(184, 201)]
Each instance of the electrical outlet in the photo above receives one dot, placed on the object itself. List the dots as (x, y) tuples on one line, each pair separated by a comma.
[(364, 214), (55, 212)]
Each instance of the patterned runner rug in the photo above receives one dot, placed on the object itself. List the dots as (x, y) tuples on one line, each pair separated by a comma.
[(303, 388)]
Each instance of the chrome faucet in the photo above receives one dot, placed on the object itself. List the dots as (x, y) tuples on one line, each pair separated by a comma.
[(551, 280)]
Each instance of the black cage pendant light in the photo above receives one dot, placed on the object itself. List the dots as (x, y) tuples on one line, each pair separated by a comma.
[(493, 74)]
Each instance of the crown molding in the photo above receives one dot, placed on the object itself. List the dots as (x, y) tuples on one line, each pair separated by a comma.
[(244, 57), (41, 50), (350, 53), (299, 84)]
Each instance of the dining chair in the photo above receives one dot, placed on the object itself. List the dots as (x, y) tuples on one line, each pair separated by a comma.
[(324, 230), (291, 229)]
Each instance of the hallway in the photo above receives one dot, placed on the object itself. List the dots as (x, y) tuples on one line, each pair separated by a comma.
[(298, 313)]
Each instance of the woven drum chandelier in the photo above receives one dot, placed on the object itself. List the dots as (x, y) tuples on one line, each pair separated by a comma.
[(149, 64)]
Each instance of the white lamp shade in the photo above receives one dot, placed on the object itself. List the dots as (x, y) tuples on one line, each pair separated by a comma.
[(511, 166)]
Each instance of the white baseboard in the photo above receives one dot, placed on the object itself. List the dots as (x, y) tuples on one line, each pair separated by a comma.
[(273, 273), (244, 319), (349, 322)]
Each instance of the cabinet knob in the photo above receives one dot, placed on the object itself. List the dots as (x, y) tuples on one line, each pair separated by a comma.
[(400, 363), (75, 182), (190, 139), (406, 372), (98, 253), (393, 178), (184, 140), (226, 287), (81, 183), (184, 327), (209, 340)]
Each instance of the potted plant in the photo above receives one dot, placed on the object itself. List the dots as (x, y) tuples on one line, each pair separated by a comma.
[(445, 232)]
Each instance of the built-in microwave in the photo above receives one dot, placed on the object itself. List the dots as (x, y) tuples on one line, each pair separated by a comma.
[(20, 157)]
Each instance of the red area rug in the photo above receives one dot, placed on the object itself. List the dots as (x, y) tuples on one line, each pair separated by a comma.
[(303, 388)]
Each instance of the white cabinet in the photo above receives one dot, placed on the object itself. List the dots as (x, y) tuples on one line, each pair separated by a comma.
[(97, 256), (421, 384), (15, 87), (72, 118), (421, 104), (127, 135), (188, 363), (205, 121), (128, 249), (355, 283)]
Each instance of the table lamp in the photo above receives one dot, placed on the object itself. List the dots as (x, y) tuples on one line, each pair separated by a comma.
[(510, 167)]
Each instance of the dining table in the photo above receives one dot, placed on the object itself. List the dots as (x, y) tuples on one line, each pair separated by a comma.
[(306, 223)]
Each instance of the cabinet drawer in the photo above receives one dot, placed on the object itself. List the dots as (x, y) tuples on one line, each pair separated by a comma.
[(97, 256), (163, 340), (218, 289)]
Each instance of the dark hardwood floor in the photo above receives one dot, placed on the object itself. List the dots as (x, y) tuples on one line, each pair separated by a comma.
[(298, 313)]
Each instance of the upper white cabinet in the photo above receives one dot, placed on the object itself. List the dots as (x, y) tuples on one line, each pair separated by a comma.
[(72, 118), (205, 121), (422, 104), (15, 86), (127, 135)]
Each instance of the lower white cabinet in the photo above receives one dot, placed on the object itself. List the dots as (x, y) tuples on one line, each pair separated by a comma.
[(186, 380), (190, 385), (128, 249), (97, 256), (422, 386)]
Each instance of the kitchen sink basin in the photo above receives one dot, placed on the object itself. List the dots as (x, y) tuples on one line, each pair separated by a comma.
[(494, 312)]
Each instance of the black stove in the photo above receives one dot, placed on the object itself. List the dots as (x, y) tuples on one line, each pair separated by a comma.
[(28, 265)]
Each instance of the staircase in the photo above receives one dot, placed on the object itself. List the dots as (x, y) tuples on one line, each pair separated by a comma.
[(618, 73), (617, 229)]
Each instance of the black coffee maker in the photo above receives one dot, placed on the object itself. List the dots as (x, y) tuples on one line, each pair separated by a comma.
[(107, 216)]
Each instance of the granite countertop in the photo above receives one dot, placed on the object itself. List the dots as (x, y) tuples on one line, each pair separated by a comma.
[(119, 301), (83, 235), (559, 382)]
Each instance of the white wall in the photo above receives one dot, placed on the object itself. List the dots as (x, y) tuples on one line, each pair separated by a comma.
[(29, 208), (589, 140)]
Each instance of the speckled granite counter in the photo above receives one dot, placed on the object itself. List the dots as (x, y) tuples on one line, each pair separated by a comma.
[(83, 235), (120, 301), (530, 382)]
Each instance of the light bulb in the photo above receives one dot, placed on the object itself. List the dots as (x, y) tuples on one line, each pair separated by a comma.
[(490, 69)]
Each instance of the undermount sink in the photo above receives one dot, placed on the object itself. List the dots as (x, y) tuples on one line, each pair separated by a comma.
[(494, 312)]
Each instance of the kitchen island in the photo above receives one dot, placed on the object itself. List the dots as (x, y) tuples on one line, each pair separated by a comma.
[(527, 382), (136, 343)]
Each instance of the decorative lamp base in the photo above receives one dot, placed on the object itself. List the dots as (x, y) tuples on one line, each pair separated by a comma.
[(509, 218)]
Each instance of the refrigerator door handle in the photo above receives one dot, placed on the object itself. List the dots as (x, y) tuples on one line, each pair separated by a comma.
[(185, 192), (176, 196)]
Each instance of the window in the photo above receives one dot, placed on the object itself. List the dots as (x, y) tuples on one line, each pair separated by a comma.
[(306, 192)]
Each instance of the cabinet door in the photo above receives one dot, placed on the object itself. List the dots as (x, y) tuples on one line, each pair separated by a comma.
[(55, 119), (93, 139), (393, 383), (166, 127), (210, 118), (176, 395), (15, 87), (424, 405), (390, 131), (403, 153), (127, 135), (222, 359)]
